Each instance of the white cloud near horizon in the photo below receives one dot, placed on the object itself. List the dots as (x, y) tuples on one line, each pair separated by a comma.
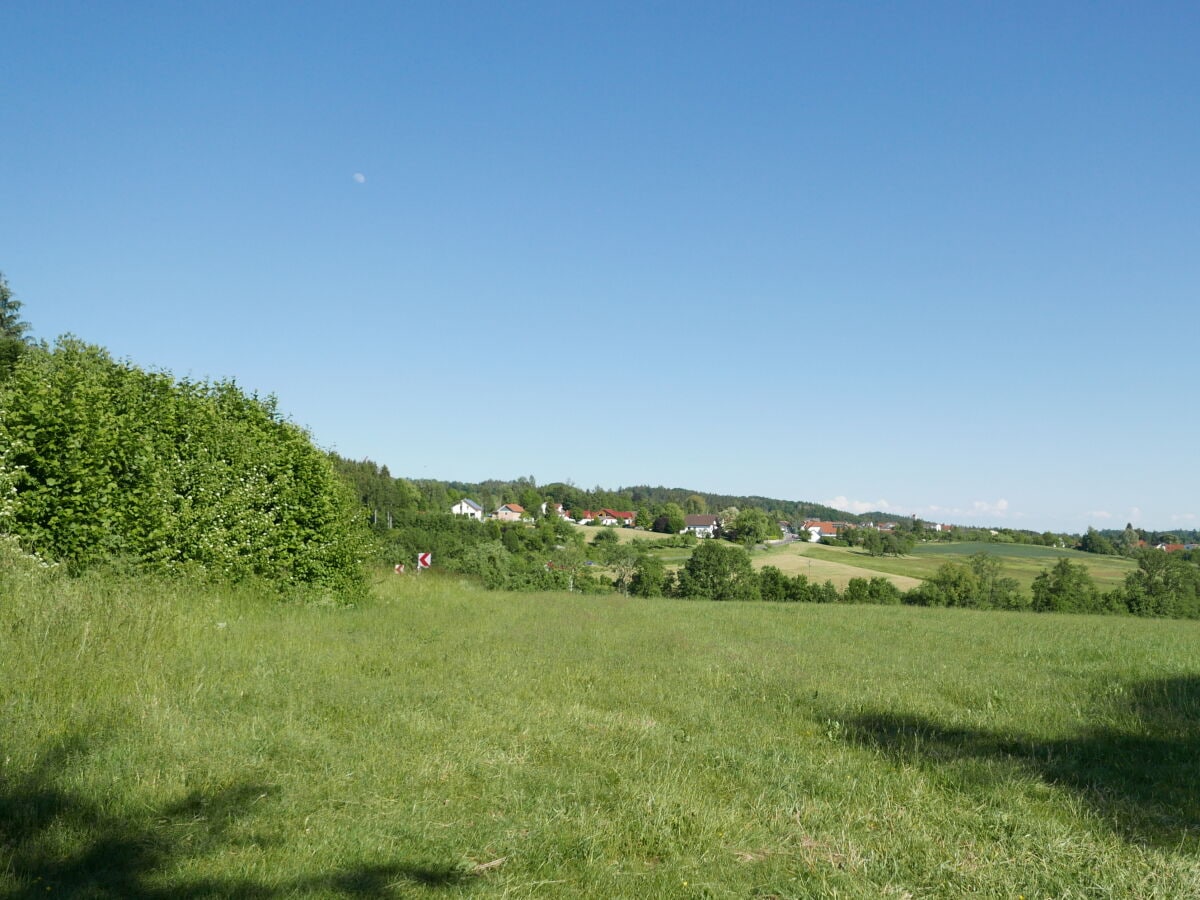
[(859, 506), (983, 507), (979, 508), (1100, 514)]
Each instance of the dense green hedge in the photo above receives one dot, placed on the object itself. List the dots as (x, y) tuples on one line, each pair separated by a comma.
[(100, 459)]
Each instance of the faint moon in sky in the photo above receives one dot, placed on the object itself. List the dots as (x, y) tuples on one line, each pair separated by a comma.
[(360, 177)]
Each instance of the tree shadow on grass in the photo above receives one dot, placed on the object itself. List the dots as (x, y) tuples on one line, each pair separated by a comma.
[(1144, 780), (57, 844)]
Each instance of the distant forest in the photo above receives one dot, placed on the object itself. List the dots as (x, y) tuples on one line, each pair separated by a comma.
[(383, 494)]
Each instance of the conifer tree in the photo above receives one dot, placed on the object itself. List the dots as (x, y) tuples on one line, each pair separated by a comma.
[(11, 325)]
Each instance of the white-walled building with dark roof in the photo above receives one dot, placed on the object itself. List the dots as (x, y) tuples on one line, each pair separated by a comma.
[(468, 508)]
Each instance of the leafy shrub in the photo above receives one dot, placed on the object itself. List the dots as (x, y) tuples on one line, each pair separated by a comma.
[(882, 591), (489, 561), (773, 584), (649, 578), (874, 590), (605, 537), (1066, 588)]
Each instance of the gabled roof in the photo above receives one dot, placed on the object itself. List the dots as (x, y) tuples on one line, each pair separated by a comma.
[(513, 507), (826, 528), (699, 520), (471, 503)]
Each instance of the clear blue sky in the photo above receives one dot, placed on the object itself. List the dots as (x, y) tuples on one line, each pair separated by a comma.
[(942, 258)]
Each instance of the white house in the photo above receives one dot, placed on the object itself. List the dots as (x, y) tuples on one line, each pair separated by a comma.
[(817, 529), (703, 526), (556, 509), (468, 508)]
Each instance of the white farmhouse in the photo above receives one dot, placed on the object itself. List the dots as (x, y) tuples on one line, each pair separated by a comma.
[(702, 526), (468, 508)]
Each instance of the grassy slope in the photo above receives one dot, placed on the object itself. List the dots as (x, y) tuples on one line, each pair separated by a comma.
[(166, 741), (624, 535)]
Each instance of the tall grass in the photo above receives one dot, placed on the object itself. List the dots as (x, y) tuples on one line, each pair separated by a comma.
[(165, 739)]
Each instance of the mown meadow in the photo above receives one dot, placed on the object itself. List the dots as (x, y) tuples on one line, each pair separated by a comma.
[(1023, 562), (167, 738)]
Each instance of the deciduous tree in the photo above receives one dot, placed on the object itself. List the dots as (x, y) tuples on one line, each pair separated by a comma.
[(1095, 542), (753, 527), (674, 514), (622, 561), (718, 571), (1163, 585)]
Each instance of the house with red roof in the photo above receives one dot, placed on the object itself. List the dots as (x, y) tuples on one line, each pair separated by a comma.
[(818, 529), (510, 512), (621, 517)]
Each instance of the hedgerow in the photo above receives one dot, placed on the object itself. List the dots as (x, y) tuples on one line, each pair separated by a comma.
[(100, 459)]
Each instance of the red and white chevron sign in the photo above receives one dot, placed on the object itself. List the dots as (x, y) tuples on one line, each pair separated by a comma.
[(424, 560)]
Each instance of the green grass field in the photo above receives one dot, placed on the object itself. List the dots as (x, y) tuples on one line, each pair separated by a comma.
[(798, 559), (168, 740), (1020, 561)]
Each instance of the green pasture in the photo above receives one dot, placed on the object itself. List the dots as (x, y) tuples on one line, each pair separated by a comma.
[(795, 559), (167, 739), (1014, 551), (1020, 561), (674, 557)]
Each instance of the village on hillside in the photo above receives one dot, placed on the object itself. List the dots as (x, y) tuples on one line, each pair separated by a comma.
[(702, 525)]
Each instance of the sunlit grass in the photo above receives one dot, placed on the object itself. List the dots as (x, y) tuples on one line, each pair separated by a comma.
[(163, 739), (624, 535)]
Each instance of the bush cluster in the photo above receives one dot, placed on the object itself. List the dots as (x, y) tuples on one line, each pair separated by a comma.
[(503, 555), (1164, 585)]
